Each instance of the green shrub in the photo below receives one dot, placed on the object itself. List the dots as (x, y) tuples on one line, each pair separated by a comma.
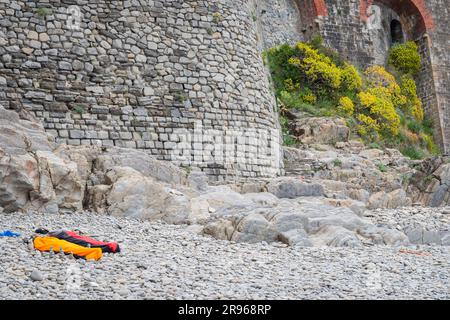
[(288, 140), (78, 109), (405, 58), (429, 144), (337, 162), (382, 167), (414, 126), (427, 125), (43, 12), (413, 153)]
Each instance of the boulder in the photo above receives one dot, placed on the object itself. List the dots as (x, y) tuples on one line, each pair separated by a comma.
[(395, 199), (134, 195), (295, 237), (254, 228), (32, 177), (371, 153), (142, 162), (19, 181), (342, 217), (320, 130), (384, 236), (292, 188), (335, 236), (224, 201), (60, 177), (357, 207), (21, 133)]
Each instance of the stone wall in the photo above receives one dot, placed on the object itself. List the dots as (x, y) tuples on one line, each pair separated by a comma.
[(278, 22), (175, 77), (440, 60)]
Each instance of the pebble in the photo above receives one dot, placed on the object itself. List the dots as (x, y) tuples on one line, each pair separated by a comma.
[(36, 276)]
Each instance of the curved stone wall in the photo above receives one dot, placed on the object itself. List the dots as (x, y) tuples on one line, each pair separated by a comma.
[(183, 79)]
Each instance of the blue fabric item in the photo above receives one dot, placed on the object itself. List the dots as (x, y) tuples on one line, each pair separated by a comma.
[(8, 233)]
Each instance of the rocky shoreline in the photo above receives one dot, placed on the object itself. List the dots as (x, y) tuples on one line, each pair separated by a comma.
[(163, 261)]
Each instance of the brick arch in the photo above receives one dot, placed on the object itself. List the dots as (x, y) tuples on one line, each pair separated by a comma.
[(406, 9), (320, 7)]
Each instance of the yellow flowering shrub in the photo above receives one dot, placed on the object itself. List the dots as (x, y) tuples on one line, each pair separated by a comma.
[(375, 104), (405, 58), (409, 87), (290, 85), (351, 78), (294, 61), (310, 98), (318, 68), (346, 106), (412, 105), (417, 110), (381, 106), (429, 143), (377, 76), (367, 125)]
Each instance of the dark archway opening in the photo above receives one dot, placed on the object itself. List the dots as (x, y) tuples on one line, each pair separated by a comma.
[(396, 32)]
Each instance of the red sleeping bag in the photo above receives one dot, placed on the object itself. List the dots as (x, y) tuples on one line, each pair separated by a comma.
[(70, 236)]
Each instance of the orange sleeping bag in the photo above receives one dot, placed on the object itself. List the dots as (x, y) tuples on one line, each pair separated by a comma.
[(46, 243)]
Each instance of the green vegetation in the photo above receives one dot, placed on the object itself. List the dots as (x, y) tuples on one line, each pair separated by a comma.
[(381, 106), (413, 153), (405, 58), (337, 162), (374, 145), (43, 12), (187, 169), (78, 109), (180, 97), (382, 167), (216, 17)]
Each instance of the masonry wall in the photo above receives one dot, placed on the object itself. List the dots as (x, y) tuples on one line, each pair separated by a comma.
[(137, 73), (278, 22), (440, 60)]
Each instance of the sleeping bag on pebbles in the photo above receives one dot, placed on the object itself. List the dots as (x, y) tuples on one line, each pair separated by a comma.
[(45, 244), (70, 236)]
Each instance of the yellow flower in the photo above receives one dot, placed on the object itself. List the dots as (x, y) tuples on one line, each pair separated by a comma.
[(309, 98), (346, 106), (317, 67), (351, 78)]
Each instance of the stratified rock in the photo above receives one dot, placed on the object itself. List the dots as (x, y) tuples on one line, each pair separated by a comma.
[(61, 177), (395, 199), (254, 228), (335, 236), (142, 162), (21, 135), (292, 188), (295, 237), (134, 195)]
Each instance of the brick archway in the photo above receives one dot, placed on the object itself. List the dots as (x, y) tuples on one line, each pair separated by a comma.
[(413, 13), (320, 8)]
